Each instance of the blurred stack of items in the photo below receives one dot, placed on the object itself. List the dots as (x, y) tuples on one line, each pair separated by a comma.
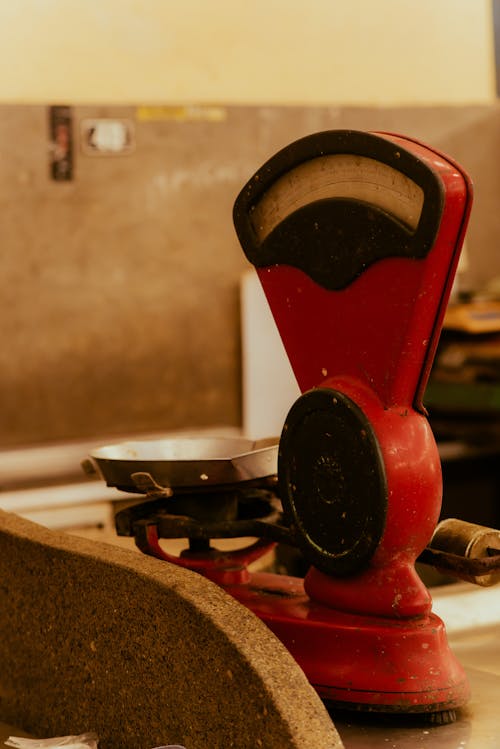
[(463, 394), (463, 399)]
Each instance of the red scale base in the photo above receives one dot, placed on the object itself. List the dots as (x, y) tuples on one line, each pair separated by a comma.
[(360, 662)]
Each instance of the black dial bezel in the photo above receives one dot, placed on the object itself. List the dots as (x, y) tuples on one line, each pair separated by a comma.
[(324, 256)]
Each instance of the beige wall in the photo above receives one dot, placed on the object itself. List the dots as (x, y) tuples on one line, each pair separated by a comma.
[(264, 51), (120, 288)]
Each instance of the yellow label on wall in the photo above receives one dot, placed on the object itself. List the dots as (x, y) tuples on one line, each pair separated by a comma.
[(181, 113)]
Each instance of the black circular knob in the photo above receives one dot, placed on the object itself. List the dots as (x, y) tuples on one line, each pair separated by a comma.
[(332, 481)]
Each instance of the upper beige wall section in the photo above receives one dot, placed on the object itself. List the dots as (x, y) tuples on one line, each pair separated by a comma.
[(263, 51)]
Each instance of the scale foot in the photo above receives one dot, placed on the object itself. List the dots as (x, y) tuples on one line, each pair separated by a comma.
[(381, 715), (442, 718)]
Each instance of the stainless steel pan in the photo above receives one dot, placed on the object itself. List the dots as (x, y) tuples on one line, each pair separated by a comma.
[(185, 462)]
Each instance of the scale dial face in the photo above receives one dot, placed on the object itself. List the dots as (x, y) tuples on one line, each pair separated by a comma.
[(335, 203), (348, 176)]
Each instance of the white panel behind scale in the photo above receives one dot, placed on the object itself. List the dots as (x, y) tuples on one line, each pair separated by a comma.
[(269, 385)]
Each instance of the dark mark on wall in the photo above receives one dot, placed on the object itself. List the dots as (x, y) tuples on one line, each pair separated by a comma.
[(61, 143)]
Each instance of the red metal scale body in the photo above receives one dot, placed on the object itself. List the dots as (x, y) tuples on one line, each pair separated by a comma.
[(356, 238)]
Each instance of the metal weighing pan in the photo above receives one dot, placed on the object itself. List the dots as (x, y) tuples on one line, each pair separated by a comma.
[(185, 462)]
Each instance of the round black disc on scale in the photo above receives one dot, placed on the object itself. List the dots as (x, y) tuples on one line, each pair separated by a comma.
[(332, 481)]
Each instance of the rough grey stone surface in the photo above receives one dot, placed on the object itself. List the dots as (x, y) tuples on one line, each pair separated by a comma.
[(94, 637)]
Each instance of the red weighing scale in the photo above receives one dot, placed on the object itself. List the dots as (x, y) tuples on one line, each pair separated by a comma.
[(356, 237)]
